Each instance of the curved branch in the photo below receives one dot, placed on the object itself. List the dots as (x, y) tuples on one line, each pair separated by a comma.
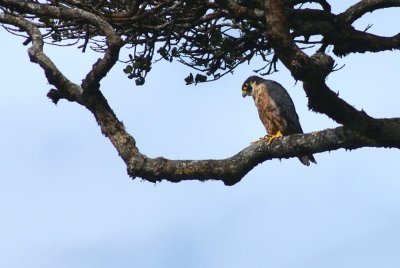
[(323, 3), (360, 130), (338, 32), (104, 65), (231, 170), (351, 41), (114, 41), (313, 71), (68, 90), (357, 10), (57, 13), (322, 99)]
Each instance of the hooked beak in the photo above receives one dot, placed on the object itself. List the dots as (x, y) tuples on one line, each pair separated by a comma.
[(244, 93)]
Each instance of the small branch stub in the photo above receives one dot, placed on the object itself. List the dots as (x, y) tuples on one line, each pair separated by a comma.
[(314, 68)]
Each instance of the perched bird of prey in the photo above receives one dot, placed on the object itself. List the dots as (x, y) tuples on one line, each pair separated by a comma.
[(275, 108)]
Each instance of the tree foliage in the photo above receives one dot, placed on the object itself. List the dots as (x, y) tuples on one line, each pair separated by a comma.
[(212, 38)]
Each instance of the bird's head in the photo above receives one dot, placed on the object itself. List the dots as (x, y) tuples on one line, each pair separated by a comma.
[(247, 87)]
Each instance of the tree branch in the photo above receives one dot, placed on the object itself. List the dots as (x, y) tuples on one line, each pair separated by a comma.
[(113, 40), (323, 3), (68, 90), (233, 169), (352, 41), (230, 170), (239, 11), (357, 10), (200, 32), (313, 71), (104, 65)]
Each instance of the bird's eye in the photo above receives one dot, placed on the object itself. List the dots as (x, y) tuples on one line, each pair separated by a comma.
[(245, 87)]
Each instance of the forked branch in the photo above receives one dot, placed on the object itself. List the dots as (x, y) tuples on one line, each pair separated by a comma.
[(266, 31)]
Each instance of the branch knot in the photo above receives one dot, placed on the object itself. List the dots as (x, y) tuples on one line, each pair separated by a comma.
[(314, 68)]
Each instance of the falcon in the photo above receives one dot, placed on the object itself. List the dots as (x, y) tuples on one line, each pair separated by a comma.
[(276, 110)]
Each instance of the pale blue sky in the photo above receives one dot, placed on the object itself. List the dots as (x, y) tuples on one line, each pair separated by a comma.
[(66, 200)]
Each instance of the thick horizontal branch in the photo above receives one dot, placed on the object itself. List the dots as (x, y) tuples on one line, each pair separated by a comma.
[(353, 41), (338, 32), (233, 169)]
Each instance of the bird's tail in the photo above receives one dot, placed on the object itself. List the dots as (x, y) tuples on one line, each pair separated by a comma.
[(305, 160)]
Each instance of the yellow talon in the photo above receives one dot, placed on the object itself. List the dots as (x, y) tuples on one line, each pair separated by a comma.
[(270, 138)]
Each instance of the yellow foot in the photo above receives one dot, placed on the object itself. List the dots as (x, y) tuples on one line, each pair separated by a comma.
[(270, 138)]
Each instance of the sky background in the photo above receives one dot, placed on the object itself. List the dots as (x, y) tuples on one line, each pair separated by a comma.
[(67, 201)]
